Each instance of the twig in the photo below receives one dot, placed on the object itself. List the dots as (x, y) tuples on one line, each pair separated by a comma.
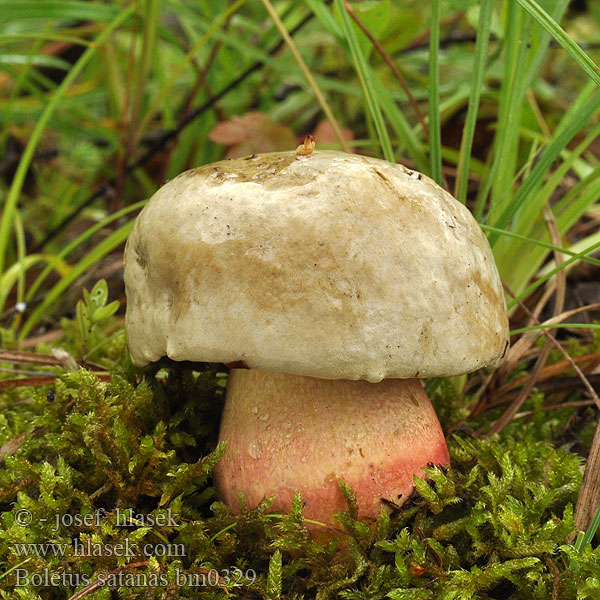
[(201, 79), (11, 446), (522, 345), (91, 587), (559, 346), (573, 364), (588, 500), (390, 63), (556, 576), (307, 74), (201, 82), (59, 358)]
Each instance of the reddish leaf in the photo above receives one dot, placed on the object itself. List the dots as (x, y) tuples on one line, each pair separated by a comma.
[(324, 134), (252, 133)]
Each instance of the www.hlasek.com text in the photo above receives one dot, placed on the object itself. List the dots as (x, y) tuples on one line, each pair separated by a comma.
[(88, 548)]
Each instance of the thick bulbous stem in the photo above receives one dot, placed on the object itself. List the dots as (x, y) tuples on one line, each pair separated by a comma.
[(289, 432)]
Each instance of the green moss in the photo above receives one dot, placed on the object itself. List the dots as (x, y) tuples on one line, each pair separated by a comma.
[(493, 526)]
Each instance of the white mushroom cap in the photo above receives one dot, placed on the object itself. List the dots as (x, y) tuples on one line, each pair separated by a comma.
[(330, 265)]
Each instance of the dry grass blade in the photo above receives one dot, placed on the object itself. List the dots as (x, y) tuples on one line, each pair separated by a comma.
[(529, 338), (26, 381), (588, 500), (12, 446), (559, 302), (550, 407), (38, 381), (307, 74), (561, 276), (559, 346), (29, 358), (46, 337), (587, 363), (524, 393), (560, 385)]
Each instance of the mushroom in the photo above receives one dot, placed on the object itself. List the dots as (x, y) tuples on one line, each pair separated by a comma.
[(330, 283)]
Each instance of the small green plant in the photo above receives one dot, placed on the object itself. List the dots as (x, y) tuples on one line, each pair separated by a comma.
[(92, 314)]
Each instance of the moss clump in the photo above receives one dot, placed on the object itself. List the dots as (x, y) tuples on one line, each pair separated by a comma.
[(111, 480)]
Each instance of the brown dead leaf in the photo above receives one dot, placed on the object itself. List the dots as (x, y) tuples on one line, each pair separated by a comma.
[(253, 133), (325, 135)]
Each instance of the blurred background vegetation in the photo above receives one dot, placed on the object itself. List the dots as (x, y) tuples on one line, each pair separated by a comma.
[(102, 102)]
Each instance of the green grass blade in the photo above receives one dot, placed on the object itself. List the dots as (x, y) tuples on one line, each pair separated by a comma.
[(58, 259), (567, 263), (406, 135), (577, 201), (555, 326), (506, 142), (563, 135), (72, 10), (389, 106), (560, 35), (21, 80), (579, 246), (574, 205), (13, 568), (402, 127), (540, 41), (366, 76), (276, 63), (479, 60), (306, 72), (526, 44), (22, 256), (165, 90), (107, 245), (151, 13), (588, 536), (8, 38), (19, 178), (322, 13), (528, 216), (13, 274), (435, 134), (540, 243)]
